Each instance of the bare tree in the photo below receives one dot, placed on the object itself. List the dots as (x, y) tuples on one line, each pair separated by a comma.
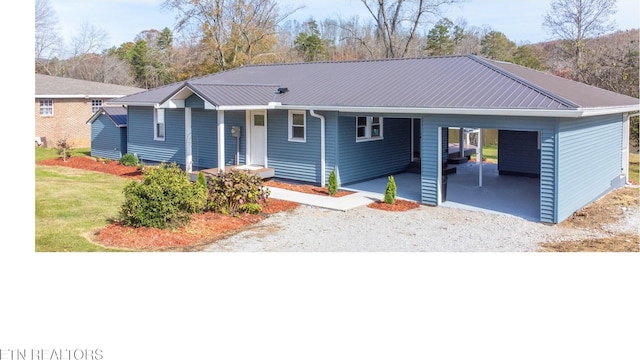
[(88, 40), (398, 21), (577, 20), (48, 42), (234, 31)]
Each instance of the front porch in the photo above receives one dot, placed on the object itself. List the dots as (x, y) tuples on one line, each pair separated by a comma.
[(263, 172)]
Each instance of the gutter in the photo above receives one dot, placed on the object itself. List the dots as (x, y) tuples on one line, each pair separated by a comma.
[(322, 146)]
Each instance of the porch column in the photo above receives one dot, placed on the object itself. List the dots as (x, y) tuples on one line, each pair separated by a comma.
[(187, 140), (221, 140)]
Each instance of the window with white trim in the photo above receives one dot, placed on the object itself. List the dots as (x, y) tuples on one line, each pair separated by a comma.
[(158, 124), (368, 128), (96, 104), (297, 125), (46, 107)]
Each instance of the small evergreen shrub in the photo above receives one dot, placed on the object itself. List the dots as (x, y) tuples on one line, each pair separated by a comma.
[(128, 159), (165, 198), (332, 186), (390, 191), (229, 191)]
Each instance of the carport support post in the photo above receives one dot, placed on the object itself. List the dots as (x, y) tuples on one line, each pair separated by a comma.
[(461, 142), (480, 157)]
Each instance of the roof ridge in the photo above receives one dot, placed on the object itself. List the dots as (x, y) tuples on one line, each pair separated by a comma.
[(543, 91), (353, 61)]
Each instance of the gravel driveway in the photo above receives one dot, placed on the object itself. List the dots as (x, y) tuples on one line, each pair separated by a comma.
[(438, 229)]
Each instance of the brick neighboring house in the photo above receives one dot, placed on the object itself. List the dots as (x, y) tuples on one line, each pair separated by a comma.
[(63, 105)]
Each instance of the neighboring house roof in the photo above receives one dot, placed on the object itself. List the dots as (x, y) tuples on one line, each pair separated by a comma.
[(61, 87), (451, 84), (117, 114)]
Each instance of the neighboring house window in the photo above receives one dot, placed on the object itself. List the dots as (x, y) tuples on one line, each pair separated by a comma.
[(158, 122), (46, 107), (368, 128), (96, 105), (297, 126)]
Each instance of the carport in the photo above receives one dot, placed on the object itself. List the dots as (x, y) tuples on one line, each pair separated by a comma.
[(500, 194)]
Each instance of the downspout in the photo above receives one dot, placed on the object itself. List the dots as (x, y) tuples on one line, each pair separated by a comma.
[(322, 147)]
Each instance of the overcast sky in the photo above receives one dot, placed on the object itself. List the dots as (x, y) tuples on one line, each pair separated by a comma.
[(520, 20)]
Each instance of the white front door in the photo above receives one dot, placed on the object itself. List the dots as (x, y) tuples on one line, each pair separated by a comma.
[(258, 122)]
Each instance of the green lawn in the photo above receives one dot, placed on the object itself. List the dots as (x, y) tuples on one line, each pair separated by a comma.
[(71, 203), (490, 153)]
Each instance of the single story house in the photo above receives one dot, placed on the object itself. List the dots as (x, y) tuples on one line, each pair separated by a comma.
[(367, 119), (63, 105), (109, 132)]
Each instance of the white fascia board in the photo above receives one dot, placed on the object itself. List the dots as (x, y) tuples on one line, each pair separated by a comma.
[(610, 110), (442, 111)]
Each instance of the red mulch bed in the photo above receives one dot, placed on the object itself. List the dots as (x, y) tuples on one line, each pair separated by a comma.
[(399, 205), (202, 230), (309, 189), (89, 163)]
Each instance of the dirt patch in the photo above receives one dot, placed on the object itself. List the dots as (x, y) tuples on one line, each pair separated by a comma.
[(304, 188), (398, 205), (603, 216)]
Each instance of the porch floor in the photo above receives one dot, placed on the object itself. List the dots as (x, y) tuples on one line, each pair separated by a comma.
[(264, 172)]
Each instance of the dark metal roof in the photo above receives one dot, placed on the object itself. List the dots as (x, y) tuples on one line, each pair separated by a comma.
[(235, 95), (117, 114), (579, 93), (453, 82), (52, 86)]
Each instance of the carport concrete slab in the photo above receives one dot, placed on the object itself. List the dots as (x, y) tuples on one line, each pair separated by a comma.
[(504, 194), (407, 187), (514, 195)]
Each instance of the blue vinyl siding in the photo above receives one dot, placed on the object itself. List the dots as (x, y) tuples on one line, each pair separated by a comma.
[(204, 139), (518, 153), (194, 102), (548, 167), (331, 143), (590, 161), (107, 140), (140, 135), (359, 161), (430, 149), (234, 118), (293, 160)]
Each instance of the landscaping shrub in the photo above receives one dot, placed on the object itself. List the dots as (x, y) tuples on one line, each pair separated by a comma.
[(128, 159), (229, 191), (63, 148), (165, 198), (332, 186), (250, 208), (390, 191)]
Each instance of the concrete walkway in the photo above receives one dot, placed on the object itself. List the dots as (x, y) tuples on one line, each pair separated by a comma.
[(342, 203), (512, 195)]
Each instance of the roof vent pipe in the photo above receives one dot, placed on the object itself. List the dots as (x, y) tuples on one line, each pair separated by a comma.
[(322, 147)]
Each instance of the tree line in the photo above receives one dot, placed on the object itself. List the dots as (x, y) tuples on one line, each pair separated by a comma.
[(216, 35)]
